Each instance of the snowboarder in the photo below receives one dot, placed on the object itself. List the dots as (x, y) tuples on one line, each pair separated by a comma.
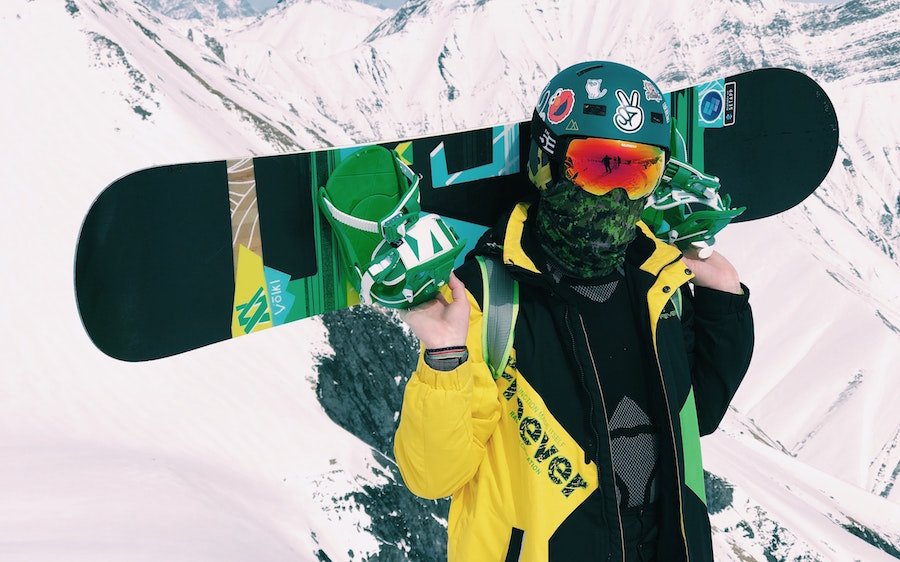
[(586, 444), (606, 160)]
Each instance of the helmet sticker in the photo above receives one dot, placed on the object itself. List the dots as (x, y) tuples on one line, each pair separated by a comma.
[(572, 126), (592, 87), (711, 106), (650, 92), (561, 104), (629, 117), (730, 102), (542, 104)]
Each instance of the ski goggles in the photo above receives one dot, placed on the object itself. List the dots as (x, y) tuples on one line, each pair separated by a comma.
[(599, 166)]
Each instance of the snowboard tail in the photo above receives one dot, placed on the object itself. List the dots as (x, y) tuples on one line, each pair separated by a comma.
[(779, 146)]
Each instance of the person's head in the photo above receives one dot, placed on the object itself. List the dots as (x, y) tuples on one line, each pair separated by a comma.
[(600, 137)]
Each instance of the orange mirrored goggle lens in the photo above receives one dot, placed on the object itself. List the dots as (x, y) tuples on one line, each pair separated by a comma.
[(600, 165)]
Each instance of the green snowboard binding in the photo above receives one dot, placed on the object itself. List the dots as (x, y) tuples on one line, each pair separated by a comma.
[(686, 209), (393, 255)]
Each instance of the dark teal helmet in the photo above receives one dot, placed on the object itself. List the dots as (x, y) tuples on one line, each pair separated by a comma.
[(597, 99)]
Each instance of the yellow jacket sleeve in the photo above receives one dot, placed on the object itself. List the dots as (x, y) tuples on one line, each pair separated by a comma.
[(446, 419)]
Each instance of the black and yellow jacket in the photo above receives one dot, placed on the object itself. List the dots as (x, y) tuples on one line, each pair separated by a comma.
[(527, 458)]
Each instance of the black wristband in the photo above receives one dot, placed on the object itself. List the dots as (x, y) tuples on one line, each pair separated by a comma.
[(446, 358), (441, 349)]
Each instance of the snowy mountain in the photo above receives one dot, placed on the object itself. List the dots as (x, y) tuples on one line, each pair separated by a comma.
[(292, 41), (267, 447), (207, 10)]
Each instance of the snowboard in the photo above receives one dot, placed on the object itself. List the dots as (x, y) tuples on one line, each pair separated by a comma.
[(173, 258)]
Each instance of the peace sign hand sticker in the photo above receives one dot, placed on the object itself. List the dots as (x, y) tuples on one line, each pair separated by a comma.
[(629, 117)]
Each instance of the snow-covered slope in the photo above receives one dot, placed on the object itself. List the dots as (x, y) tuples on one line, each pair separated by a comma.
[(766, 505), (226, 453)]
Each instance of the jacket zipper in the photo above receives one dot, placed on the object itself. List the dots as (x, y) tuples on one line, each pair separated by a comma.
[(606, 418), (687, 554), (596, 443)]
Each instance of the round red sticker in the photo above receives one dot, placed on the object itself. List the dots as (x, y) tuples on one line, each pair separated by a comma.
[(561, 104)]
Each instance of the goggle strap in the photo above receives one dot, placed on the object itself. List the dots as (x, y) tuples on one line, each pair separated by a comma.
[(542, 177), (551, 144)]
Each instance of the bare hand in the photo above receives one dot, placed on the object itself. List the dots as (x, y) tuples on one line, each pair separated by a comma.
[(715, 272), (439, 323)]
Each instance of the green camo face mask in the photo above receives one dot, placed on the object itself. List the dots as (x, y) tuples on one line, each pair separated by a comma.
[(586, 234)]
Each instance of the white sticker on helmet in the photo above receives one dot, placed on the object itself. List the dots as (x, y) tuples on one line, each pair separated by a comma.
[(594, 88), (542, 104), (650, 92), (629, 117)]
